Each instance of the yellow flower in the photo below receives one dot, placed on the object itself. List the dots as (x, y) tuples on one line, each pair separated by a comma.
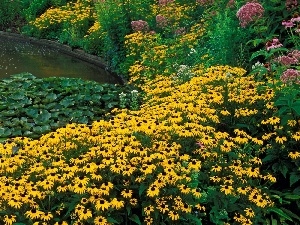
[(46, 216), (33, 214), (216, 168), (148, 210), (173, 215), (249, 212), (227, 189), (102, 204), (9, 219), (153, 191), (294, 155), (85, 214), (280, 139), (126, 193), (100, 220)]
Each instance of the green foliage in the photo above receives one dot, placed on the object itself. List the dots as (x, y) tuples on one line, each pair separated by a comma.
[(10, 14), (32, 106)]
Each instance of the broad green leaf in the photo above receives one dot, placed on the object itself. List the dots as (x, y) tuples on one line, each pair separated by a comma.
[(135, 219), (280, 213), (292, 197), (4, 132), (258, 53), (296, 108), (142, 188), (32, 112), (112, 220), (67, 102), (273, 221), (291, 214), (269, 158), (294, 177)]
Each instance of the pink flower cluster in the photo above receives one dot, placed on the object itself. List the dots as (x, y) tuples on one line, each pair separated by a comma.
[(205, 2), (290, 4), (139, 25), (290, 59), (249, 12), (180, 31), (290, 76), (287, 24), (164, 2), (161, 21), (275, 43)]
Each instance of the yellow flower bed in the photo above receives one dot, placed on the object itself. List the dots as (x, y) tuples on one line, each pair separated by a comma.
[(134, 160)]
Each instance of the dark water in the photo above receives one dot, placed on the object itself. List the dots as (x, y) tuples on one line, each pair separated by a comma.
[(41, 61)]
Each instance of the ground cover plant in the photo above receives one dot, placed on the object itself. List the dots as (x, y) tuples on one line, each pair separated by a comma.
[(32, 106), (216, 140)]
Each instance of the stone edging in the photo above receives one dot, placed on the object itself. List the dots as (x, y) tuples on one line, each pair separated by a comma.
[(77, 53)]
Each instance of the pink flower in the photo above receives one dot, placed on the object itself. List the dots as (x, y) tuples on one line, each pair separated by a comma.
[(164, 2), (273, 44), (295, 54), (161, 21), (139, 25), (287, 60), (180, 31), (288, 24), (249, 12), (231, 4), (290, 76), (290, 4), (205, 2)]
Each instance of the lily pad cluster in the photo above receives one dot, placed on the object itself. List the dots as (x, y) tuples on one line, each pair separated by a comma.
[(31, 106)]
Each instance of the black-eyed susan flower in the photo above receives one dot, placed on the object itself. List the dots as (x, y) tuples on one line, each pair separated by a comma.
[(46, 216), (102, 204), (249, 212), (280, 139), (33, 214), (227, 189), (153, 190), (294, 155), (148, 210), (61, 223), (126, 193), (9, 219), (148, 220), (100, 220), (252, 172), (173, 215), (216, 168), (85, 214), (118, 204), (196, 192), (243, 190), (133, 202)]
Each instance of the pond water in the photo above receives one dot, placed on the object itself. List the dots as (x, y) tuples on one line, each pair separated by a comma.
[(42, 61)]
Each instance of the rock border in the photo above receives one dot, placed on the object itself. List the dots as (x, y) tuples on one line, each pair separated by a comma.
[(63, 48)]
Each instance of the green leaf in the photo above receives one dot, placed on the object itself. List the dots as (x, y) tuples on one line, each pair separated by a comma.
[(67, 102), (296, 108), (135, 219), (142, 188), (5, 132), (280, 213), (112, 220), (194, 218), (273, 221), (292, 197), (269, 158), (294, 177), (291, 214), (258, 53)]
